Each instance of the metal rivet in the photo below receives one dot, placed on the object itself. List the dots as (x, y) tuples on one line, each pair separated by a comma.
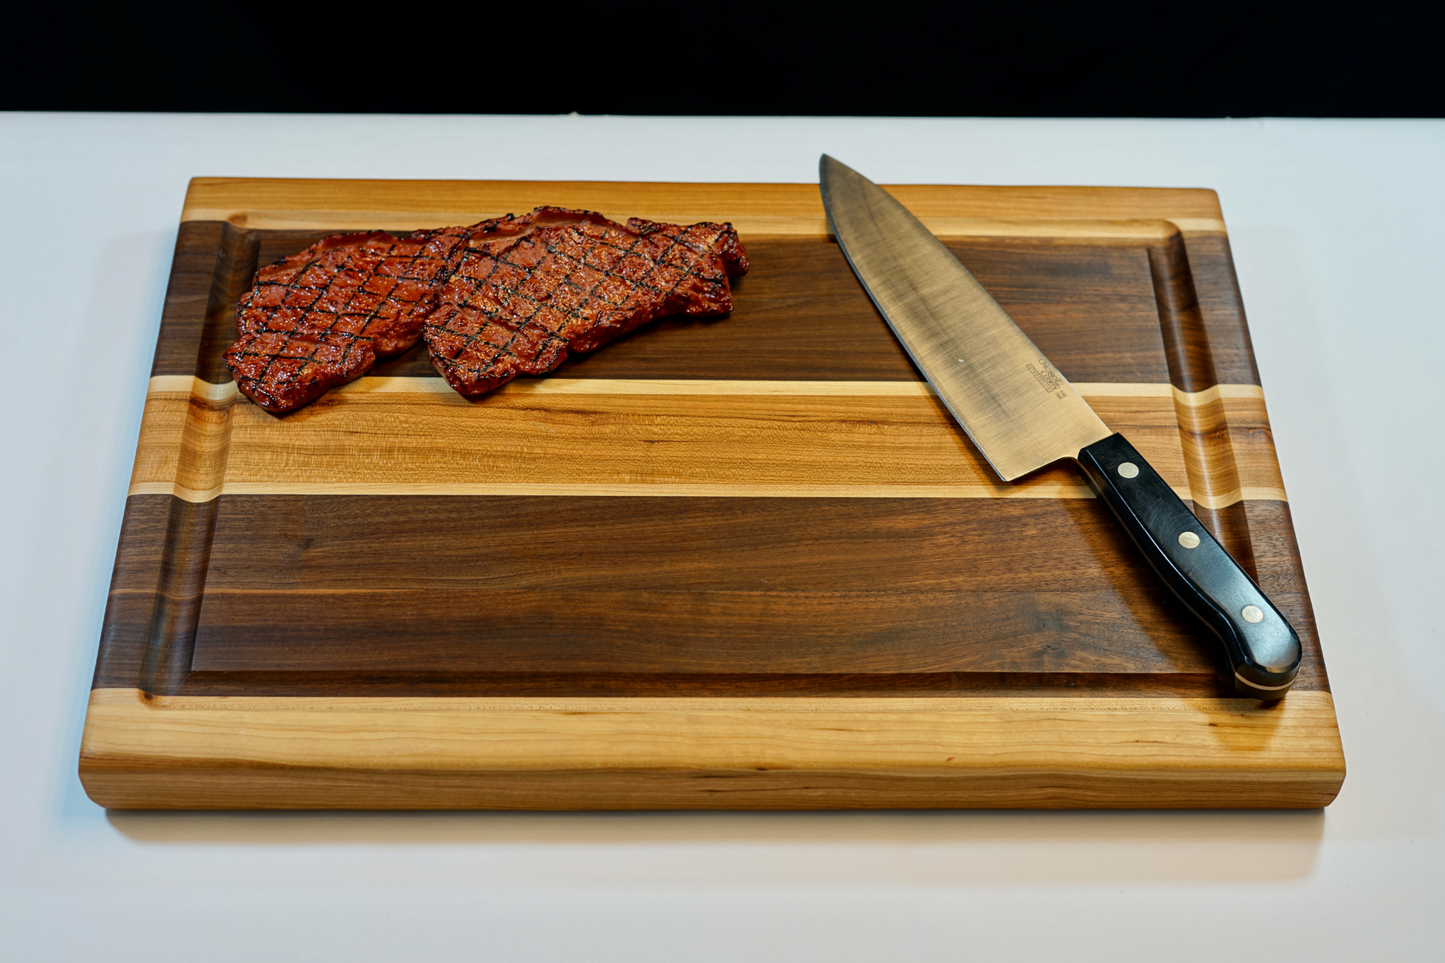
[(1129, 470), (1188, 539), (1252, 613)]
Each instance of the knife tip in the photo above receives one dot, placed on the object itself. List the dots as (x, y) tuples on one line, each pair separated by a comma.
[(829, 166)]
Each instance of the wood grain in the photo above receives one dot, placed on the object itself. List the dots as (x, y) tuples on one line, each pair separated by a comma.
[(799, 314), (659, 595), (589, 437), (717, 753), (763, 209), (736, 563)]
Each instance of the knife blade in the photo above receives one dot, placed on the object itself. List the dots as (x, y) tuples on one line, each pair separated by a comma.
[(1022, 414)]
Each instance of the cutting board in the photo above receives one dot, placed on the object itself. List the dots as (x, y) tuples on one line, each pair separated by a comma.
[(736, 563)]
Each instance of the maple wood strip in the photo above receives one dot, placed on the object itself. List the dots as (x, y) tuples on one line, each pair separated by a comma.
[(396, 442), (768, 208), (1215, 392), (1180, 396), (184, 439), (186, 384), (226, 391), (632, 437), (1082, 786), (202, 752), (1228, 447), (662, 489), (1049, 489), (692, 704), (747, 226)]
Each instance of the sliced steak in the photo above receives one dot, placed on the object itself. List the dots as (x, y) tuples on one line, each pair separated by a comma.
[(527, 291), (320, 318)]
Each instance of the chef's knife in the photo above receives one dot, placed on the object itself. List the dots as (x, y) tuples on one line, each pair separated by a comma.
[(1022, 414)]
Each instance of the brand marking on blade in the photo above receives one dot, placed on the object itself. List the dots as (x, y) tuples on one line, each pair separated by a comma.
[(1048, 378)]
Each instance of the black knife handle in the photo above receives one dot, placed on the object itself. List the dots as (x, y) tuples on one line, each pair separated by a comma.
[(1263, 649)]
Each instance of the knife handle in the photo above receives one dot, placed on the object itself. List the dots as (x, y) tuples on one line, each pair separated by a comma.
[(1263, 649)]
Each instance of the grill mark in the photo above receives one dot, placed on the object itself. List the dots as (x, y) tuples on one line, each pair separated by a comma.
[(490, 300), (292, 338), (301, 341)]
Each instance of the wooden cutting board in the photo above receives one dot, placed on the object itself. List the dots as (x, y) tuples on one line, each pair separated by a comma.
[(735, 563)]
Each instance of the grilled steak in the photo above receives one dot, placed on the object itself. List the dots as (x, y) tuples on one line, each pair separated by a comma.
[(525, 291), (509, 296), (321, 317)]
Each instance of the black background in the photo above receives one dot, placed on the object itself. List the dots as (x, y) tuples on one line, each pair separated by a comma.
[(1129, 59)]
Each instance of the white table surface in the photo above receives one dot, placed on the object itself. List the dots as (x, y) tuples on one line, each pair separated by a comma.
[(1336, 230)]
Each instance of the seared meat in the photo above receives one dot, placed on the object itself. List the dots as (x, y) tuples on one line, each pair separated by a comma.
[(321, 317), (282, 372), (525, 291), (504, 297)]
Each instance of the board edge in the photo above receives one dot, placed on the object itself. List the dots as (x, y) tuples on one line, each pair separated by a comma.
[(226, 752)]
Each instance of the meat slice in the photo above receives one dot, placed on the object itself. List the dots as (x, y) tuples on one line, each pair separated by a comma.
[(320, 318), (526, 291), (282, 372)]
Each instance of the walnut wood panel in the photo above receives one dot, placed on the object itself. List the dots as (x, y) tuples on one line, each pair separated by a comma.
[(663, 594), (745, 562), (799, 314)]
